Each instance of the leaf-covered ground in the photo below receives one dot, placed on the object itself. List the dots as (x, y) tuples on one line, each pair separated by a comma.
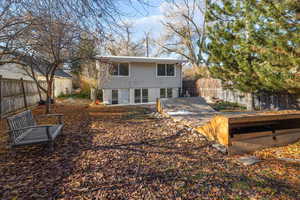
[(123, 153)]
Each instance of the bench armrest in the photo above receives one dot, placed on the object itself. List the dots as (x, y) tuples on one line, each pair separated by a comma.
[(59, 116)]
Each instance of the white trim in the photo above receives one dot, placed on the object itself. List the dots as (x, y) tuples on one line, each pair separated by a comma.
[(175, 66), (129, 70), (133, 104), (139, 59)]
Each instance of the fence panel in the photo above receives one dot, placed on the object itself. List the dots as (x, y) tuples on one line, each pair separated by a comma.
[(261, 101), (13, 97)]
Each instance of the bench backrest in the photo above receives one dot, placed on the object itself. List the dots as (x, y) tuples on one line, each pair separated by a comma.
[(21, 120)]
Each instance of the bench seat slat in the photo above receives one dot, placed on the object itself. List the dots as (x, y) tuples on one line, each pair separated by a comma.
[(38, 135)]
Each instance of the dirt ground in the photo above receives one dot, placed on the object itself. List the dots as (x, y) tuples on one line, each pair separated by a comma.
[(124, 153)]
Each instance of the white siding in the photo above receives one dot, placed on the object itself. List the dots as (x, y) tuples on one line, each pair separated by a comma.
[(126, 96), (143, 75), (123, 96), (62, 86), (107, 96)]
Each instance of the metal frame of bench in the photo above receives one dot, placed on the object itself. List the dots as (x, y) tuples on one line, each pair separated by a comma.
[(23, 130)]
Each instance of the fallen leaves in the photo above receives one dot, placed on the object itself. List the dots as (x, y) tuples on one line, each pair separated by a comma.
[(124, 153)]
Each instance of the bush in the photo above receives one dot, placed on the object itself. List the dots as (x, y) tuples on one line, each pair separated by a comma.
[(225, 105), (81, 95)]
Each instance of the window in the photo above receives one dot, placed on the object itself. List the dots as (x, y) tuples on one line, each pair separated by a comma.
[(166, 92), (114, 97), (165, 70), (115, 70), (144, 95), (161, 71), (121, 69), (169, 93), (162, 93), (170, 70), (140, 95), (137, 96)]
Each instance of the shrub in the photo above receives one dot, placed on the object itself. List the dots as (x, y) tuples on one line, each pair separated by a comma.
[(225, 105)]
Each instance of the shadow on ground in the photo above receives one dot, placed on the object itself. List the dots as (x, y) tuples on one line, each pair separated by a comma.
[(124, 153)]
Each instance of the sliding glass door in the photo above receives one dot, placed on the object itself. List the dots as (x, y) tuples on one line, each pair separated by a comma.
[(141, 96)]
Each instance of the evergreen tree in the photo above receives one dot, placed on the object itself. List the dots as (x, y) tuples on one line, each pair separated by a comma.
[(253, 45)]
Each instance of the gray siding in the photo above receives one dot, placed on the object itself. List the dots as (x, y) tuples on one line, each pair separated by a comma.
[(143, 75)]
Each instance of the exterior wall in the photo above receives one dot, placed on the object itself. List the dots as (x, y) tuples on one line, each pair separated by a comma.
[(107, 96), (62, 86), (153, 94), (143, 75)]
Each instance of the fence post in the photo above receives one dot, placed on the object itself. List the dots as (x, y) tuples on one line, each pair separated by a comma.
[(53, 90), (24, 93), (1, 97)]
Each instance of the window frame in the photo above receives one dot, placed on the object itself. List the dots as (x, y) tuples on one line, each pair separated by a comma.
[(167, 93), (118, 64), (166, 70), (112, 99), (141, 97)]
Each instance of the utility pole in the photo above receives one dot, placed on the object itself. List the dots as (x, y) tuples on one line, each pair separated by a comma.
[(147, 44)]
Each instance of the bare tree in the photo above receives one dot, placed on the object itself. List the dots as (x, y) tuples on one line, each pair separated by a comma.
[(184, 30), (43, 35), (121, 43)]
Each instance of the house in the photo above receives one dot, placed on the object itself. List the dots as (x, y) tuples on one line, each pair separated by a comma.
[(138, 80), (62, 80)]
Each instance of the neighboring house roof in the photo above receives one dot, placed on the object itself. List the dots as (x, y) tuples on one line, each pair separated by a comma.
[(13, 71), (140, 59), (62, 73)]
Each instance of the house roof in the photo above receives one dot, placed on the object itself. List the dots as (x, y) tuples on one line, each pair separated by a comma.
[(62, 73), (140, 59)]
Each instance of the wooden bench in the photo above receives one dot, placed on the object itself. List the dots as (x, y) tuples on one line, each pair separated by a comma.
[(23, 130)]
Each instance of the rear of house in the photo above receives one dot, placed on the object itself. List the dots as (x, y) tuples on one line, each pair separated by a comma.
[(137, 80)]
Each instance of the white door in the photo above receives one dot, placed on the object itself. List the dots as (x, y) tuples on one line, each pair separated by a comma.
[(124, 96)]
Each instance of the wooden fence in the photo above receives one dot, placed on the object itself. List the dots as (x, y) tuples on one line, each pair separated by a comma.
[(261, 101), (210, 88), (18, 94)]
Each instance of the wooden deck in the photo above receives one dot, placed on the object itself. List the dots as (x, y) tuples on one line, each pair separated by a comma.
[(240, 132), (243, 126)]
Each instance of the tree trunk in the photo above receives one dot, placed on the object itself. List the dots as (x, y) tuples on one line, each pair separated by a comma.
[(39, 91), (49, 94)]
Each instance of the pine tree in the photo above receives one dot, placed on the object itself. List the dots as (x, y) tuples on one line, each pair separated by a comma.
[(253, 45)]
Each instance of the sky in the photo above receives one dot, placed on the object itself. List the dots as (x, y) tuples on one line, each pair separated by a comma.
[(145, 18)]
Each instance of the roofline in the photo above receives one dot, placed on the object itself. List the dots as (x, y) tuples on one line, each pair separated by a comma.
[(135, 59)]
